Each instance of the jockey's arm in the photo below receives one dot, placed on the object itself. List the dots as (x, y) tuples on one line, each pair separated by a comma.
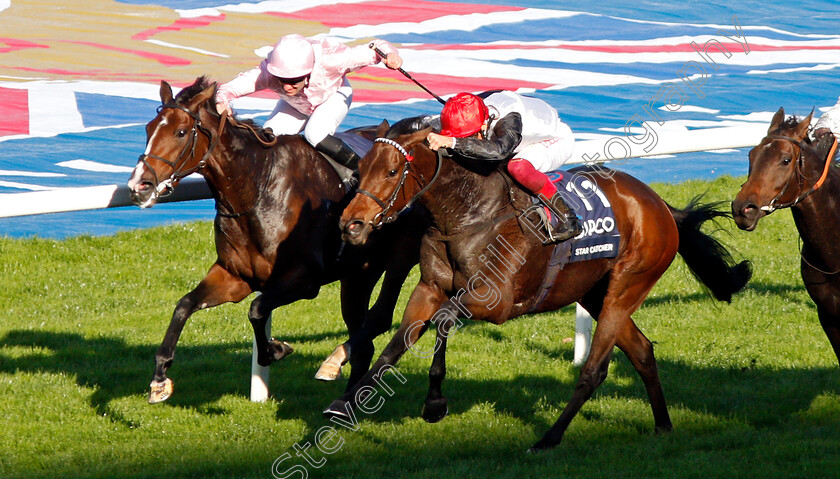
[(500, 144), (829, 122)]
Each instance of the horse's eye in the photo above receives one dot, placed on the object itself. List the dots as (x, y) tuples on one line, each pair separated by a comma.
[(392, 172), (786, 160), (182, 133)]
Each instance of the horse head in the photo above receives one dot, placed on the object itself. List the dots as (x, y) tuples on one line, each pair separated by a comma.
[(396, 171), (179, 141), (784, 169)]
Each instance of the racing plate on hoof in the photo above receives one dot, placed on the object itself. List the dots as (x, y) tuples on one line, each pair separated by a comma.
[(160, 390)]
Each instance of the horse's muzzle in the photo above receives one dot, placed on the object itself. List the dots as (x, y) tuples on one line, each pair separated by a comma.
[(143, 194), (354, 231), (746, 214)]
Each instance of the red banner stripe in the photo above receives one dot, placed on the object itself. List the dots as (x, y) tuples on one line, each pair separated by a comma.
[(180, 24), (14, 111)]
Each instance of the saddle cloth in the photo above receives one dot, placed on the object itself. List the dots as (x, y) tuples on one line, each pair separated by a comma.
[(600, 237)]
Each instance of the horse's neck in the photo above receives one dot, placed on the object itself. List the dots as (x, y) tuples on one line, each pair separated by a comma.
[(237, 176), (817, 218), (463, 198)]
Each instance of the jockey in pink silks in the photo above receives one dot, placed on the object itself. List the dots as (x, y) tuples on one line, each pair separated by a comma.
[(309, 76)]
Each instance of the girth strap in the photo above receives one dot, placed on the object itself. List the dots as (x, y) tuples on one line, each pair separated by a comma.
[(559, 257)]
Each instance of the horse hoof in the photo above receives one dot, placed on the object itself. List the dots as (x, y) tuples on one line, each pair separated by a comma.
[(328, 372), (435, 410), (279, 349), (330, 369), (339, 409), (160, 391)]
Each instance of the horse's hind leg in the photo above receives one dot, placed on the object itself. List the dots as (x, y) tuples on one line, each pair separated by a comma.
[(216, 288), (624, 293), (592, 374), (639, 350)]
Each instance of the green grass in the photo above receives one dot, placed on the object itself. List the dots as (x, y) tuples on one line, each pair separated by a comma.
[(753, 387)]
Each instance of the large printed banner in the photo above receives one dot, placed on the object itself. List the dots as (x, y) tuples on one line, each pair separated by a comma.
[(78, 80)]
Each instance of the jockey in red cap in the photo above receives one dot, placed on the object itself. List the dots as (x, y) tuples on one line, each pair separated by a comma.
[(504, 125)]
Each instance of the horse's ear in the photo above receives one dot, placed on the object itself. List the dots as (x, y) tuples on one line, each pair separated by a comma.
[(803, 126), (207, 94), (165, 93), (382, 128), (777, 120)]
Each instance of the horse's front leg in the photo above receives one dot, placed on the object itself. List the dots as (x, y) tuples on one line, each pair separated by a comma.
[(592, 374), (269, 350), (435, 407), (425, 300), (217, 287), (355, 297)]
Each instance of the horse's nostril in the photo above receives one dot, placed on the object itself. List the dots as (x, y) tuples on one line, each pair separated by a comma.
[(354, 227)]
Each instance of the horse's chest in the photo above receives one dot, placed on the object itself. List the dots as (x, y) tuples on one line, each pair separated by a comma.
[(483, 279)]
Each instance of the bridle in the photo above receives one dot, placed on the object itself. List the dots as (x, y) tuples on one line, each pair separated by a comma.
[(164, 188), (385, 216), (797, 170)]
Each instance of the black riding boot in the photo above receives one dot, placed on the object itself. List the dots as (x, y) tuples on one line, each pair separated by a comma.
[(568, 223), (339, 151)]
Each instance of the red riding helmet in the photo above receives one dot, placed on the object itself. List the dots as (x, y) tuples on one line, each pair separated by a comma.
[(463, 115)]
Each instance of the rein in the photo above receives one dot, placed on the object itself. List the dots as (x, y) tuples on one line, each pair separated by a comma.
[(383, 217), (772, 206)]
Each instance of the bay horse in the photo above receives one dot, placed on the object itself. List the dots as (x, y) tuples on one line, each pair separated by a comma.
[(276, 229), (789, 170), (471, 213)]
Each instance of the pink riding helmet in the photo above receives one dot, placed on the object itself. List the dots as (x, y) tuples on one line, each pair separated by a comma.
[(292, 57)]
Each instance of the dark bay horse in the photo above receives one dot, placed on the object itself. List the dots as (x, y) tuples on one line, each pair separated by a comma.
[(276, 229), (475, 236), (788, 170)]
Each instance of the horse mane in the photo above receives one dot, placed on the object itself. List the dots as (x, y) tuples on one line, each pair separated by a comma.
[(790, 123), (202, 83), (407, 126)]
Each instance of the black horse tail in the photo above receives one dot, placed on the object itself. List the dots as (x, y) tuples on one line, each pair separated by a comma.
[(707, 258)]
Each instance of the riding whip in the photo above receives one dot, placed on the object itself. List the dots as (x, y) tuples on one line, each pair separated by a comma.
[(383, 55)]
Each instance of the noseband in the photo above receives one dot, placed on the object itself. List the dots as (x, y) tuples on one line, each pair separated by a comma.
[(383, 217), (165, 187), (772, 206)]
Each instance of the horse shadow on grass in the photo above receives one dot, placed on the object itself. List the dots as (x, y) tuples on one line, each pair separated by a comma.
[(788, 292), (113, 369), (756, 396)]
